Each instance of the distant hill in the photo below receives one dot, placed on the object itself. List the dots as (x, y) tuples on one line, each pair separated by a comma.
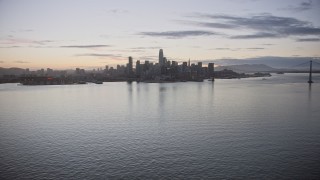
[(11, 71), (298, 63), (247, 68)]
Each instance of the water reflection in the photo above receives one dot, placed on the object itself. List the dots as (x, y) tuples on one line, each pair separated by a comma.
[(309, 92), (130, 98), (148, 127), (162, 96), (211, 92)]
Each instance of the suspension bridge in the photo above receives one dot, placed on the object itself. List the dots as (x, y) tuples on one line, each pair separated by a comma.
[(306, 66), (310, 69)]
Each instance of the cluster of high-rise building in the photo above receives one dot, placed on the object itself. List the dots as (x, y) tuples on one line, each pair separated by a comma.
[(163, 70)]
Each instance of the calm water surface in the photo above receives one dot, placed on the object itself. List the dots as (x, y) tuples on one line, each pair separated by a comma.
[(246, 129)]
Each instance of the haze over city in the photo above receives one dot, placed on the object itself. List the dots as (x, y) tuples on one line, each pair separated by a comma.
[(89, 34)]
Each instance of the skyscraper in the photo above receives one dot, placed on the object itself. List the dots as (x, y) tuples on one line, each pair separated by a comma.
[(138, 68), (199, 69), (161, 57), (130, 66), (211, 69)]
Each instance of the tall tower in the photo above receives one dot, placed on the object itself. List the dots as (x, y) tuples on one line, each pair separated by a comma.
[(130, 66), (161, 57)]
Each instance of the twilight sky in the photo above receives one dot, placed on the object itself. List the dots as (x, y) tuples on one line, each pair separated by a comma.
[(64, 34)]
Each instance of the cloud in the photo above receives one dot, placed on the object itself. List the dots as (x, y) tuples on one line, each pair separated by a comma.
[(42, 46), (86, 46), (100, 55), (221, 48), (306, 5), (30, 46), (143, 48), (42, 42), (27, 30), (208, 24), (150, 58), (22, 30), (136, 50), (18, 41), (256, 36), (178, 34), (21, 62), (1, 61), (228, 49), (11, 47), (265, 25), (266, 44), (303, 6), (300, 31), (237, 49), (308, 40), (256, 48), (117, 11), (218, 25)]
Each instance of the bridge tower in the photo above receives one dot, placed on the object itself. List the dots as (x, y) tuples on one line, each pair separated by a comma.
[(310, 73)]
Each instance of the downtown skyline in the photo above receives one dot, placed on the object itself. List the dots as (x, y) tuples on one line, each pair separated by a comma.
[(89, 34)]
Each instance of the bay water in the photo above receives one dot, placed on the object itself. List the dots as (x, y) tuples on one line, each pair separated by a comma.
[(254, 128)]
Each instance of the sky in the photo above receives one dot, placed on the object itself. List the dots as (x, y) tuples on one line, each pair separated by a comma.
[(63, 34)]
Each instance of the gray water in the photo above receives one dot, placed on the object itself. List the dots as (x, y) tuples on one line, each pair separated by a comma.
[(237, 128)]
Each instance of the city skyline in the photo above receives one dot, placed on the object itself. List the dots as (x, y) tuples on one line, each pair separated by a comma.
[(89, 34)]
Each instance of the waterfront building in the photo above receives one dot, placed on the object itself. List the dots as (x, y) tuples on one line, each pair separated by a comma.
[(184, 66), (138, 68), (146, 66), (210, 69), (174, 63), (165, 61), (168, 63), (27, 71), (199, 69)]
